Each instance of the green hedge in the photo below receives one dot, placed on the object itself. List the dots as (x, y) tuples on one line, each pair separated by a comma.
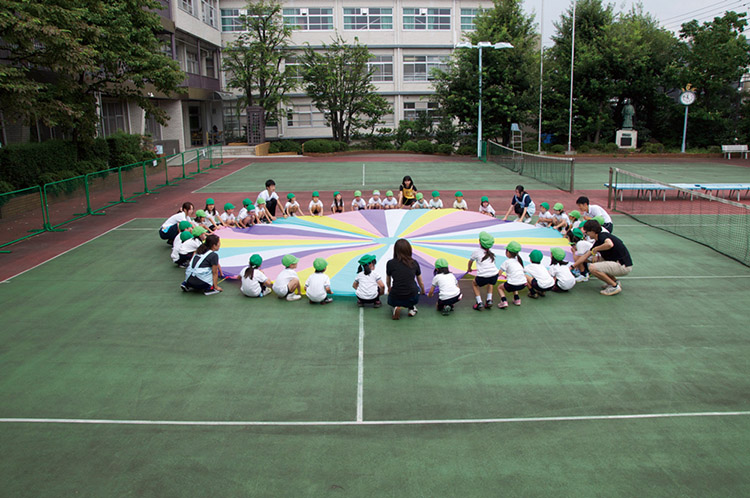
[(323, 146)]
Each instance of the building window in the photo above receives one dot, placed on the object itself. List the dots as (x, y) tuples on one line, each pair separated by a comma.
[(420, 67), (383, 66), (309, 19), (113, 118), (414, 109), (430, 19), (209, 67), (192, 61), (230, 20), (153, 128), (467, 19), (208, 12), (305, 116), (368, 18), (293, 67), (187, 6)]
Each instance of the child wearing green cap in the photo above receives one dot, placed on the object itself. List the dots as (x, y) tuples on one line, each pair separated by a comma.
[(212, 215), (286, 285), (227, 217), (247, 216), (190, 244), (262, 212), (575, 219), (560, 270), (358, 202), (337, 206), (561, 221), (485, 207), (368, 286), (375, 201), (390, 202), (316, 205), (254, 281), (201, 219), (538, 278), (318, 285), (292, 207), (449, 293), (436, 202), (184, 227), (515, 276), (546, 218), (460, 202), (420, 203), (486, 270), (580, 246)]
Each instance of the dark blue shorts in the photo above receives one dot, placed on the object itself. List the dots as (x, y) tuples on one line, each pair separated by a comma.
[(482, 281)]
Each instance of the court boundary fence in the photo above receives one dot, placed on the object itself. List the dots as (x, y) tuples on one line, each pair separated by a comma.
[(556, 171), (91, 194), (736, 214)]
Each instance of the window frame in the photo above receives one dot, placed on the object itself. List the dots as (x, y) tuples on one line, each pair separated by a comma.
[(369, 19), (430, 62), (324, 16), (426, 19)]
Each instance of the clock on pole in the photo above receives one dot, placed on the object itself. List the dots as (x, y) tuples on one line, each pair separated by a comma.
[(687, 97)]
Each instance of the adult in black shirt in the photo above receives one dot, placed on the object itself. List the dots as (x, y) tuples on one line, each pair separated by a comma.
[(403, 279), (615, 257)]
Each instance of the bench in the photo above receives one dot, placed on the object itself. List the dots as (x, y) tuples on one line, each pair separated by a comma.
[(728, 150), (731, 188), (649, 189)]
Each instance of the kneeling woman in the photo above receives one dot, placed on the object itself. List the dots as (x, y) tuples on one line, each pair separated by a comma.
[(403, 279), (202, 273)]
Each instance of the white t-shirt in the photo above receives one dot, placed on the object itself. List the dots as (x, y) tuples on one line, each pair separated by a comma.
[(392, 202), (291, 204), (251, 286), (514, 272), (176, 249), (485, 268), (375, 202), (582, 246), (596, 210), (489, 209), (266, 196), (447, 284), (359, 204), (213, 217), (460, 205), (190, 245), (540, 273), (546, 216), (577, 224), (174, 219), (318, 204), (315, 286), (565, 279), (227, 217), (420, 204), (368, 285), (561, 217), (436, 204), (281, 284)]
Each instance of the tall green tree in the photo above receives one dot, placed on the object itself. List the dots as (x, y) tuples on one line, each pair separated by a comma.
[(509, 76), (339, 82), (253, 60), (75, 51)]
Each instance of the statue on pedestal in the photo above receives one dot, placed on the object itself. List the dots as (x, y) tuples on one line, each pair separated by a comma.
[(628, 111)]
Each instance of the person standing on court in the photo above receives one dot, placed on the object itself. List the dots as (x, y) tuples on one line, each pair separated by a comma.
[(403, 278), (271, 197), (615, 258)]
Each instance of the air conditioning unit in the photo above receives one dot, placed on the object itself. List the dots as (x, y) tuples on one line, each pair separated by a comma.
[(422, 12), (363, 12), (243, 12), (304, 12)]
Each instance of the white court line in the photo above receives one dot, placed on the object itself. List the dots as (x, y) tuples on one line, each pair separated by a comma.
[(361, 364), (7, 280), (343, 423), (678, 277), (136, 229), (218, 179)]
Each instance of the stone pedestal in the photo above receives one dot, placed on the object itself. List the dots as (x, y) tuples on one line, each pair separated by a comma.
[(627, 139)]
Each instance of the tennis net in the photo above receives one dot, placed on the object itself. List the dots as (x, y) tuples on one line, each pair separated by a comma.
[(555, 171), (685, 209)]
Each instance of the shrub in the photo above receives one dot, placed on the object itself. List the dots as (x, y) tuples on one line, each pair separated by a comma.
[(318, 145), (274, 147), (530, 147), (557, 149), (611, 148), (466, 150), (98, 150), (445, 149), (339, 146), (714, 149), (21, 165), (583, 149), (5, 187), (289, 146), (125, 149), (384, 145), (425, 147), (83, 167), (652, 148), (410, 146)]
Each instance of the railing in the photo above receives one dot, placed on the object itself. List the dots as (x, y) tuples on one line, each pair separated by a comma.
[(28, 212)]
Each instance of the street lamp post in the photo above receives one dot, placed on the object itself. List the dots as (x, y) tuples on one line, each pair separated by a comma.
[(480, 46)]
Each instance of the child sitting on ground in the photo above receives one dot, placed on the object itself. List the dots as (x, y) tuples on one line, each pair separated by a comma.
[(420, 202), (446, 282), (580, 247), (545, 216), (183, 227), (368, 286), (212, 215), (286, 285), (390, 202), (358, 203), (375, 201), (292, 207), (316, 205), (246, 216), (262, 212), (485, 207), (460, 203), (561, 221), (227, 217), (318, 285), (560, 271), (337, 206), (254, 282), (436, 202), (538, 278)]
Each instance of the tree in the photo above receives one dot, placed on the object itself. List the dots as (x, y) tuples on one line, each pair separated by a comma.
[(338, 81), (509, 76), (74, 51), (253, 60)]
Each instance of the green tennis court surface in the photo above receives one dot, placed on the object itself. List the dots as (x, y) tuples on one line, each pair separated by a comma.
[(104, 333)]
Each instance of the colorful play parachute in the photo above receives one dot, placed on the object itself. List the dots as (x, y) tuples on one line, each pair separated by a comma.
[(343, 238)]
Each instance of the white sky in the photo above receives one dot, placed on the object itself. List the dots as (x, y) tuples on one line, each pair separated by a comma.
[(670, 13)]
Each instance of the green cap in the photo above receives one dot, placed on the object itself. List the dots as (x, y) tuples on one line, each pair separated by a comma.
[(198, 231), (459, 194), (290, 196), (575, 214), (376, 192), (288, 260), (577, 232), (261, 200), (486, 240), (256, 260), (228, 206), (484, 199), (210, 201), (600, 219), (513, 247), (357, 193), (184, 225), (435, 193), (316, 194), (558, 206), (441, 263), (389, 193), (186, 235), (245, 202), (200, 214), (366, 259), (536, 256), (558, 253), (336, 193), (250, 206), (545, 205), (320, 264), (419, 196)]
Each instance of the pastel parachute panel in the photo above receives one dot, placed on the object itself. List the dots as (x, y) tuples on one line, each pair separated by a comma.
[(343, 238)]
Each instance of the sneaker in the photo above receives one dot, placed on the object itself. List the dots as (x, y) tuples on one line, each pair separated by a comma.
[(293, 297), (211, 292), (267, 292), (606, 286), (413, 312), (532, 295), (377, 304), (396, 313), (611, 291), (517, 301), (478, 306), (327, 300), (182, 265), (360, 303), (582, 278), (502, 305), (184, 287), (488, 304), (576, 272), (541, 294), (447, 310)]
